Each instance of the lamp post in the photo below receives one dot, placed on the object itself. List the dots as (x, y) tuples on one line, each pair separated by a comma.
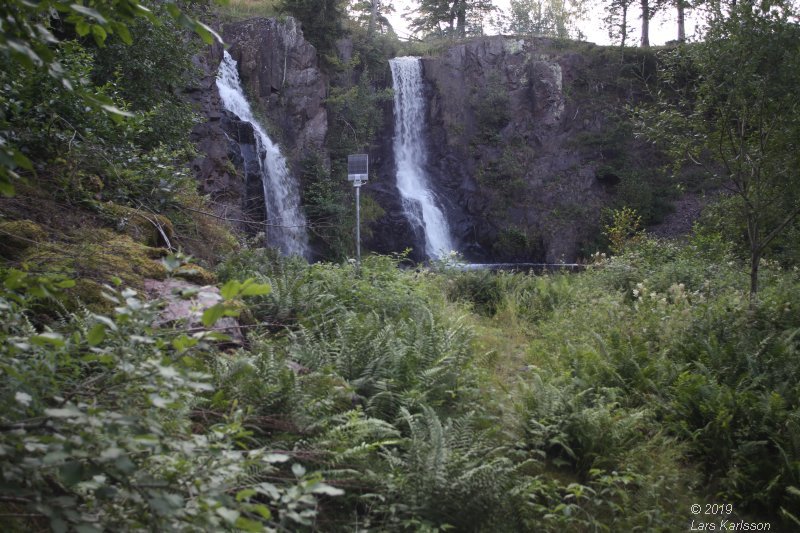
[(358, 173)]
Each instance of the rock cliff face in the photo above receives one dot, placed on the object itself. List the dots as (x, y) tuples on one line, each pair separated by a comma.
[(278, 69), (528, 140), (524, 145)]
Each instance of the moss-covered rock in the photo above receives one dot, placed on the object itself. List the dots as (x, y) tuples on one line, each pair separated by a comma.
[(99, 255), (16, 236), (142, 226), (195, 274)]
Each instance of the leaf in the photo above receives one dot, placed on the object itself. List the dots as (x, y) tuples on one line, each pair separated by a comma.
[(183, 343), (67, 412), (229, 515), (298, 470), (269, 490), (276, 458), (23, 398), (124, 33), (82, 28), (158, 401), (245, 494), (262, 510), (212, 314), (89, 12), (99, 34), (21, 160), (96, 335), (324, 488), (251, 288), (206, 33), (245, 524), (230, 290), (114, 111), (48, 338), (53, 458)]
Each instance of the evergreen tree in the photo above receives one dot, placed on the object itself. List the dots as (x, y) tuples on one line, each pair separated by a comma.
[(322, 20), (372, 13), (449, 17), (617, 20)]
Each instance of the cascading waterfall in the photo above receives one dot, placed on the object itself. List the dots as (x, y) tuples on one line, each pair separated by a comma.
[(419, 202), (285, 222)]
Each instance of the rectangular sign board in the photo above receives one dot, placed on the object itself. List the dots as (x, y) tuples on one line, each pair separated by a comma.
[(357, 167)]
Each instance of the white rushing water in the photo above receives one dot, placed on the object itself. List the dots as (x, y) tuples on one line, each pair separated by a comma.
[(285, 222), (410, 154)]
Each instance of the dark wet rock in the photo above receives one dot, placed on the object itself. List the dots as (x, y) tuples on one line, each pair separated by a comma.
[(278, 69)]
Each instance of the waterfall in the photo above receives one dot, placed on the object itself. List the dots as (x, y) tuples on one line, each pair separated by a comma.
[(419, 202), (285, 222)]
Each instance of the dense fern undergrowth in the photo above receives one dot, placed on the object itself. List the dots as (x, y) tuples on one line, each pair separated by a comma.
[(389, 398), (410, 399)]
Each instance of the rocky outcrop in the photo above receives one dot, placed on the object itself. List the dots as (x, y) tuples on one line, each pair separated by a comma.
[(524, 145), (278, 69)]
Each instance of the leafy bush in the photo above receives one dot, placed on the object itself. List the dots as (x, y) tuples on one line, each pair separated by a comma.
[(99, 429)]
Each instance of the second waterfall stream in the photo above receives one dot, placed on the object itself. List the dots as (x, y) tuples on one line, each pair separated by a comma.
[(286, 224), (410, 154)]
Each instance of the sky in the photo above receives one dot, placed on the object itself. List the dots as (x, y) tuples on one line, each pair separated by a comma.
[(662, 29)]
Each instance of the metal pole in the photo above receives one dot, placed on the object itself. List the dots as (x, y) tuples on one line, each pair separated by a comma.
[(358, 226)]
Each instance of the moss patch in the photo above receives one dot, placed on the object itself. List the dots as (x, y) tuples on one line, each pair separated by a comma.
[(144, 227), (98, 255), (16, 236), (195, 274)]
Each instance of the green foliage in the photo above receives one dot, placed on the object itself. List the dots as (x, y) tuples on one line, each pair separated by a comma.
[(553, 18), (322, 21), (247, 9), (492, 110), (28, 43), (624, 229), (736, 120), (451, 18), (99, 429), (355, 114), (611, 399)]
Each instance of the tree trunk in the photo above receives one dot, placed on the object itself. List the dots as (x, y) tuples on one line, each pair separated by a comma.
[(645, 23), (461, 17), (755, 260), (623, 29), (373, 16), (681, 20)]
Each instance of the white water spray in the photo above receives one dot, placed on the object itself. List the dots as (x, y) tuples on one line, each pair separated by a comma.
[(285, 222), (410, 154)]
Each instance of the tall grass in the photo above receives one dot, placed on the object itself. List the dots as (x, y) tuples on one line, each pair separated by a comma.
[(234, 10)]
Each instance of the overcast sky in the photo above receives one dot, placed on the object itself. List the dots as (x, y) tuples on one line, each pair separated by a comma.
[(662, 29)]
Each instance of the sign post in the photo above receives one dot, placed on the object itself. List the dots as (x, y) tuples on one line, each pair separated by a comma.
[(358, 173)]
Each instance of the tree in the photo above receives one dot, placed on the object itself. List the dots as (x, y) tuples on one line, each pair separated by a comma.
[(617, 20), (449, 17), (552, 18), (646, 15), (733, 110), (373, 13), (322, 20), (680, 6)]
